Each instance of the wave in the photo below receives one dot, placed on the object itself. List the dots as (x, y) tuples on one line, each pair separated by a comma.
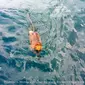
[(61, 26)]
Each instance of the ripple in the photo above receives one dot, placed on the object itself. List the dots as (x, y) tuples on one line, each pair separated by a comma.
[(59, 23)]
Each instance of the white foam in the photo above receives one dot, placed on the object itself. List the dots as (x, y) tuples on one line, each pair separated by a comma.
[(30, 32), (32, 4)]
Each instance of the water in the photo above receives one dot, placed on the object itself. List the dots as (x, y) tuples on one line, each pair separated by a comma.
[(61, 25)]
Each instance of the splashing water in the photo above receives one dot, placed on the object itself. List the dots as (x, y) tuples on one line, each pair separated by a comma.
[(61, 25)]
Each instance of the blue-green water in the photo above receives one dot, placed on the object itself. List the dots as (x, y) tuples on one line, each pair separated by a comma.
[(61, 25)]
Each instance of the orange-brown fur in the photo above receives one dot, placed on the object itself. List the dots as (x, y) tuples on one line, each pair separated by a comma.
[(34, 39)]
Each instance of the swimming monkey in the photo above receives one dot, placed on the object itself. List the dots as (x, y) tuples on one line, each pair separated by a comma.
[(34, 38)]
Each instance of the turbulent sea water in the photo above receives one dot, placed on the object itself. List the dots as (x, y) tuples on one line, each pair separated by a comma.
[(61, 25)]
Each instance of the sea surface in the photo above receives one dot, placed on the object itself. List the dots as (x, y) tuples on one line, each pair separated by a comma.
[(61, 25)]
